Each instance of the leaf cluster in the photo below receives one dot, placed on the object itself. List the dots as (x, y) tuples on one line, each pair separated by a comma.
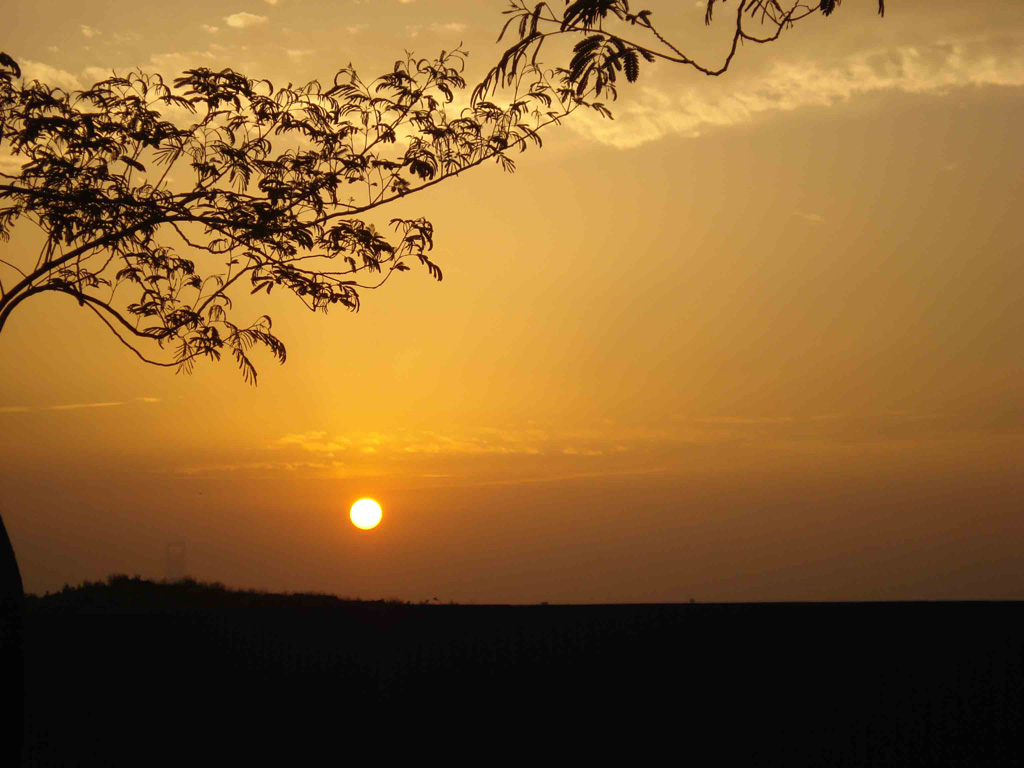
[(613, 39)]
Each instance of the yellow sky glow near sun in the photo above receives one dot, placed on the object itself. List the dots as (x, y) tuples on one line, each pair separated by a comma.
[(758, 338)]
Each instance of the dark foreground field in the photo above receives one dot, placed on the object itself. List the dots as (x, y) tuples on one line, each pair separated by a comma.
[(135, 673)]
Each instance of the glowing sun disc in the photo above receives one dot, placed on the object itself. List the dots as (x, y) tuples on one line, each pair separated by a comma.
[(365, 514)]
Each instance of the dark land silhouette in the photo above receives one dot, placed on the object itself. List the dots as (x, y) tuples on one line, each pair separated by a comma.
[(137, 673)]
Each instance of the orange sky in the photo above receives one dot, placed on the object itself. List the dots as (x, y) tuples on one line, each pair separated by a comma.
[(759, 338)]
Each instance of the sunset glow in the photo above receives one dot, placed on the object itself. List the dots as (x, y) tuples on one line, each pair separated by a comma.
[(757, 338)]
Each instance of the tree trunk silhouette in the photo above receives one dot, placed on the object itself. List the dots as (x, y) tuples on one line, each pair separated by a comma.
[(12, 658)]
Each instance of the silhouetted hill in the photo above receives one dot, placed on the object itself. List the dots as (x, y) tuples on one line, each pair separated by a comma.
[(133, 672), (121, 594)]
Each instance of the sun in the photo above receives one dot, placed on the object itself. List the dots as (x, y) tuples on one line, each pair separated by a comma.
[(365, 514)]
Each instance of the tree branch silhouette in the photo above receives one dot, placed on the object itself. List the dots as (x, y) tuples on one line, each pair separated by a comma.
[(156, 201), (278, 181), (608, 49)]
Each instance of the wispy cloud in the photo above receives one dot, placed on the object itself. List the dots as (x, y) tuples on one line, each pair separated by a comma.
[(747, 420), (934, 69), (52, 76), (315, 442), (209, 29), (698, 443), (81, 406), (409, 443), (89, 32), (438, 27), (565, 476), (74, 406), (448, 26), (467, 448), (877, 428), (573, 451), (244, 19), (254, 466)]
